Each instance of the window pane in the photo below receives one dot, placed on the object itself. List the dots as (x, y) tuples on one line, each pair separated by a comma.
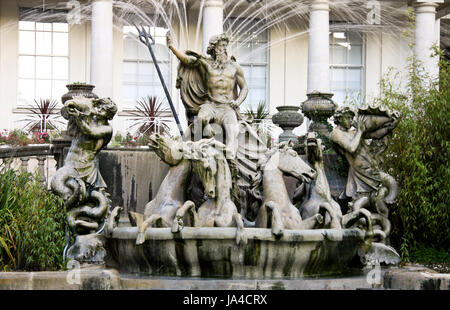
[(129, 71), (43, 43), (23, 25), (144, 91), (355, 38), (355, 55), (130, 93), (43, 26), (61, 27), (26, 66), (339, 96), (26, 42), (339, 55), (26, 91), (354, 79), (130, 48), (43, 89), (60, 43), (43, 67), (338, 79), (60, 68), (161, 52), (58, 89), (143, 53), (147, 72), (259, 52)]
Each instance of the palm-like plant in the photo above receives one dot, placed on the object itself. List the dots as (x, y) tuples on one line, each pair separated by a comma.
[(43, 116), (256, 117), (151, 115), (259, 114)]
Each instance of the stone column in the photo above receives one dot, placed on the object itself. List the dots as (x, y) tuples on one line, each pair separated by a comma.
[(102, 47), (212, 21), (425, 35), (318, 47), (319, 106)]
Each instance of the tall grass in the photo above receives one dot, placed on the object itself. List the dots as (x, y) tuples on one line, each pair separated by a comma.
[(32, 222)]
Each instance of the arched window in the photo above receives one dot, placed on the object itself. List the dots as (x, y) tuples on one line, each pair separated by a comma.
[(140, 78)]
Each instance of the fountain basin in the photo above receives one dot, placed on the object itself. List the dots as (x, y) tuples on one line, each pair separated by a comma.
[(212, 252)]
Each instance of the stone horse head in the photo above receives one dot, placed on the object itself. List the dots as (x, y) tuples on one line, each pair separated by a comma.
[(170, 150), (290, 163), (205, 155)]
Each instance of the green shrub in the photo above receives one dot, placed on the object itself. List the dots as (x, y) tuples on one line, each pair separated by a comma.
[(32, 222), (418, 158)]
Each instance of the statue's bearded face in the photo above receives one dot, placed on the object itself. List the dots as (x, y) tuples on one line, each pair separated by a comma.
[(220, 52)]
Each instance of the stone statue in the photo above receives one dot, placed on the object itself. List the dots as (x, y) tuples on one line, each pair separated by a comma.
[(212, 89), (209, 88), (79, 182), (218, 210), (316, 194), (205, 158), (277, 210), (367, 185), (161, 211)]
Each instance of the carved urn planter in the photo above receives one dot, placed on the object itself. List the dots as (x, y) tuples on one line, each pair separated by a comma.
[(287, 118), (78, 89), (318, 108)]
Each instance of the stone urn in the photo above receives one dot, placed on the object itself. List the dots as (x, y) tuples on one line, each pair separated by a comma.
[(78, 89), (318, 108), (287, 118)]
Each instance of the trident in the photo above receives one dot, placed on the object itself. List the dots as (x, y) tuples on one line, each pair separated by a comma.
[(148, 40)]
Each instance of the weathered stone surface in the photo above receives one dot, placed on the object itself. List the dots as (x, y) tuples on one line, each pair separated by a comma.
[(169, 283), (415, 277), (94, 278), (133, 177), (212, 252)]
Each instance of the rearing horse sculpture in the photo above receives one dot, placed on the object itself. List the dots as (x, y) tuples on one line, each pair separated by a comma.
[(171, 194), (317, 192), (209, 162), (277, 210)]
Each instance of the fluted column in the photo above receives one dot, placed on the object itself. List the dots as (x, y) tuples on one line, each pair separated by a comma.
[(212, 20), (102, 47), (318, 47), (425, 35)]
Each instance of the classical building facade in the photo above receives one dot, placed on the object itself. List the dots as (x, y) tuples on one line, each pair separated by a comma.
[(286, 48)]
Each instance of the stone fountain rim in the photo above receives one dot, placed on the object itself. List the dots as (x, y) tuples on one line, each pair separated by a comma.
[(224, 233)]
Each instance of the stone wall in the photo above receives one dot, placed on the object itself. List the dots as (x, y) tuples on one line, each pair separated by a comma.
[(133, 177)]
